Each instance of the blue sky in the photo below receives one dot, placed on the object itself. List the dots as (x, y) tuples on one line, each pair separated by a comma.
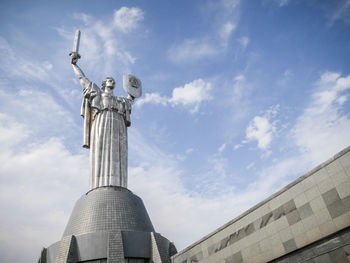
[(239, 99)]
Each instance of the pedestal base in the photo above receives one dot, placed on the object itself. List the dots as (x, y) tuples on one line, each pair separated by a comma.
[(109, 225)]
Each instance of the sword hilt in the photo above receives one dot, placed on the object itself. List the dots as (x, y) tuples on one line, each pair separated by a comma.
[(74, 57), (74, 54)]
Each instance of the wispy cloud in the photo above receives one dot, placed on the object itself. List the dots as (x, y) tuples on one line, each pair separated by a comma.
[(237, 95), (225, 14), (244, 41), (190, 96), (222, 147), (15, 66), (39, 110), (102, 45), (225, 32), (323, 129), (281, 3), (342, 12), (334, 10), (191, 49), (239, 90)]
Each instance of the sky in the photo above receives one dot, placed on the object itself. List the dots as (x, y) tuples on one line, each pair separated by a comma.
[(239, 99)]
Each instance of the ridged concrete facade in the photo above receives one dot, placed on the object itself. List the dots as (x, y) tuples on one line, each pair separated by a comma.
[(109, 225)]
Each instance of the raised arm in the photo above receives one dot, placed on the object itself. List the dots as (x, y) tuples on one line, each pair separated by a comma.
[(77, 70)]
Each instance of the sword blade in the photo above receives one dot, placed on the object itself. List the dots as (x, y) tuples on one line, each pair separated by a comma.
[(76, 41)]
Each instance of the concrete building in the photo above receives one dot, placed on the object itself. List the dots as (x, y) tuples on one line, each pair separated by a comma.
[(307, 221)]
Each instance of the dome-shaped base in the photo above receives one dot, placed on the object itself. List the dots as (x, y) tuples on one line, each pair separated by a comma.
[(109, 224), (108, 209)]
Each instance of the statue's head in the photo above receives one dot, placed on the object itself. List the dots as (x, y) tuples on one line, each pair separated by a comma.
[(108, 82)]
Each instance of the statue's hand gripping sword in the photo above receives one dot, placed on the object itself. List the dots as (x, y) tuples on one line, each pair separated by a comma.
[(75, 53)]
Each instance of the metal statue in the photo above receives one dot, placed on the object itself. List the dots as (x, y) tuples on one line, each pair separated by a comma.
[(106, 118)]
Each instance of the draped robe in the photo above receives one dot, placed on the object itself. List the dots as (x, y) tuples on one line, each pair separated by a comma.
[(105, 133)]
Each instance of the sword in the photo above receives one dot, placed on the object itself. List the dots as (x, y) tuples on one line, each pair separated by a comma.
[(75, 53)]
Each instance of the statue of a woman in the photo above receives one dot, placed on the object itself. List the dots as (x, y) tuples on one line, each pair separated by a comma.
[(106, 118)]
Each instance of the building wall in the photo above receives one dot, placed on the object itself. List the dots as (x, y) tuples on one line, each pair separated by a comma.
[(309, 209), (334, 248)]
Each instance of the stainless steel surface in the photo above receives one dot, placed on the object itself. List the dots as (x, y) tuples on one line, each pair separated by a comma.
[(106, 118)]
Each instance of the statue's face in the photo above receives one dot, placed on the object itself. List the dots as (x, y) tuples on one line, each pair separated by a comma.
[(110, 83)]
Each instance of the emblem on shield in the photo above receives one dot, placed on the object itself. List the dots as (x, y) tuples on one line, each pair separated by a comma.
[(132, 85)]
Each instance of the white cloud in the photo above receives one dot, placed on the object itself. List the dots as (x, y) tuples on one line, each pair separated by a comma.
[(191, 50), (323, 128), (40, 182), (154, 98), (262, 129), (11, 132), (191, 95), (126, 19)]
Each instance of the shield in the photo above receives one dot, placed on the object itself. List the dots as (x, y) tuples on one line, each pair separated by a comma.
[(132, 85)]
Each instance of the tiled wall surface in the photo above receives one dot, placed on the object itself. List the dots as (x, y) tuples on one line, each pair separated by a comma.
[(332, 249), (108, 209), (314, 206)]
